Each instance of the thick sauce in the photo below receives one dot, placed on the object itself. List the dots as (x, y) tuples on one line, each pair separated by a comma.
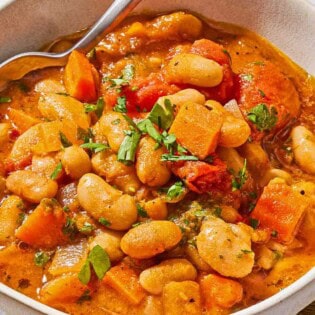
[(150, 46)]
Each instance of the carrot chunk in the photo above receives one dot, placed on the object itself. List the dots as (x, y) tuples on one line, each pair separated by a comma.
[(220, 291), (280, 210), (79, 78), (197, 129), (43, 227), (21, 120), (125, 281)]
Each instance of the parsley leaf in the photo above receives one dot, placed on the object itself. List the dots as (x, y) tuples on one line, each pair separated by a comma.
[(104, 222), (146, 126), (247, 77), (262, 117), (127, 150), (239, 180), (128, 72), (56, 171), (87, 228), (85, 273), (5, 99), (69, 228), (99, 260), (41, 258), (175, 190), (95, 147), (97, 108), (162, 116), (217, 212), (254, 223), (141, 211), (120, 107), (174, 158), (64, 140), (85, 135)]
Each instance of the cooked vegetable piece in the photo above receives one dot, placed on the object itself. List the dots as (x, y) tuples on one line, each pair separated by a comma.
[(155, 278), (280, 209), (182, 298), (220, 291), (58, 107), (146, 241), (43, 227), (64, 289), (124, 280), (197, 129), (69, 258), (21, 120), (226, 247), (80, 78), (101, 200), (31, 186), (194, 69), (10, 213), (150, 169)]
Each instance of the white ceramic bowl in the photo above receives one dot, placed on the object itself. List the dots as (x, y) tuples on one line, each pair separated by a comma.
[(289, 24)]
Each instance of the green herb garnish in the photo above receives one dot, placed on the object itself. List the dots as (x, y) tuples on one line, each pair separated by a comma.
[(100, 262), (175, 190), (217, 212), (262, 93), (174, 158), (85, 135), (162, 116), (128, 72), (239, 180), (120, 107), (127, 150), (87, 228), (247, 77), (262, 117), (141, 211), (97, 108), (64, 140), (5, 99), (56, 171), (116, 122), (254, 223), (104, 222), (41, 258), (69, 228), (95, 147)]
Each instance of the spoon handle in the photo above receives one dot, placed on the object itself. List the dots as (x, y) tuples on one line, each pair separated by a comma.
[(118, 10)]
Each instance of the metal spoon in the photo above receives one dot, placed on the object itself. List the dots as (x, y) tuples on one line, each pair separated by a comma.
[(17, 66)]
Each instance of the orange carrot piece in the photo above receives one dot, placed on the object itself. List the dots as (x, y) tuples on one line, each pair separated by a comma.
[(125, 281), (280, 210), (64, 289), (21, 120), (197, 129), (43, 227), (220, 291), (80, 78)]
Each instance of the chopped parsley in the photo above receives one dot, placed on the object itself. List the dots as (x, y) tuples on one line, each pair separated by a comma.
[(247, 77), (41, 258), (120, 107), (127, 74), (239, 180), (64, 140), (5, 99), (97, 108), (254, 223), (141, 211), (84, 297), (69, 228), (104, 222), (162, 116), (56, 171), (217, 212), (174, 158), (116, 122), (85, 135), (95, 147), (262, 93), (262, 117), (127, 150), (175, 190), (87, 228), (100, 262)]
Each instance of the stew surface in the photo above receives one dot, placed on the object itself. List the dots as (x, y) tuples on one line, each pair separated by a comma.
[(169, 171)]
